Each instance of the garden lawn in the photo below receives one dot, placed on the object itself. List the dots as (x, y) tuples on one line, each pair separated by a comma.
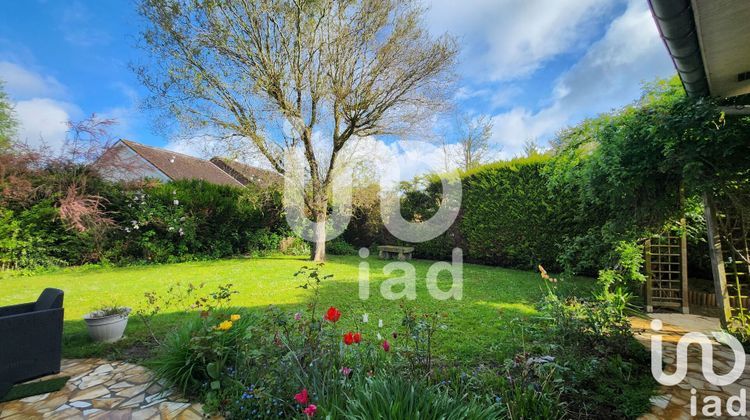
[(485, 326)]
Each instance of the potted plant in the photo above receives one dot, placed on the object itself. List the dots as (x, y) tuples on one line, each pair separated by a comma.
[(107, 324)]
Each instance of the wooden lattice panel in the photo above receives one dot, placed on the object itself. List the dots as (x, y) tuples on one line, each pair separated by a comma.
[(666, 271), (735, 267)]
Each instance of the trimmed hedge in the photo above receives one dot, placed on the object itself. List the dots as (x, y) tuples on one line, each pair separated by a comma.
[(508, 216)]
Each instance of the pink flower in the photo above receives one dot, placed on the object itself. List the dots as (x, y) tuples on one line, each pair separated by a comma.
[(386, 345), (346, 371), (297, 316), (302, 396), (310, 410)]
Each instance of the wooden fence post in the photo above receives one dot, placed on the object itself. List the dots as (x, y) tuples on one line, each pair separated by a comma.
[(649, 275), (684, 267)]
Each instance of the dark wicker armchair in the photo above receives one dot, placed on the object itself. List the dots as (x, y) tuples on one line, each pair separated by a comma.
[(31, 338)]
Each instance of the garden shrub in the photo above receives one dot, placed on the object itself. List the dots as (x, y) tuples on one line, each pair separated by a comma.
[(339, 246), (531, 389), (188, 219), (16, 246), (263, 241), (35, 237), (513, 213), (603, 371), (294, 245), (197, 357), (58, 211)]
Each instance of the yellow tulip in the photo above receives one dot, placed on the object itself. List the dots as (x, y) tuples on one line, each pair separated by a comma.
[(225, 325), (235, 317)]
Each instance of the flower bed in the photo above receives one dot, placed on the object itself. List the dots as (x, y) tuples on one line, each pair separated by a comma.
[(304, 364)]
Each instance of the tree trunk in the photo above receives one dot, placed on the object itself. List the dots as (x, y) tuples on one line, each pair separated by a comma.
[(318, 253)]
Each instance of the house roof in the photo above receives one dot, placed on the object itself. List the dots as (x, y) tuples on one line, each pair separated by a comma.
[(178, 166), (708, 42), (247, 174)]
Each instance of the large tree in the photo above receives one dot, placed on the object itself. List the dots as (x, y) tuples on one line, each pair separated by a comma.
[(285, 73)]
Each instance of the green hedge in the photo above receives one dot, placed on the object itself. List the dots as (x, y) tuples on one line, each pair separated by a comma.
[(155, 222), (191, 219), (508, 216)]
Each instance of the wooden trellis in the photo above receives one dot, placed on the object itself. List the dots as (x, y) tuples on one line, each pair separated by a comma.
[(666, 270), (735, 267), (730, 272)]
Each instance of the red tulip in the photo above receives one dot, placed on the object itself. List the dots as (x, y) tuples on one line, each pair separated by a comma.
[(386, 345), (348, 338), (310, 410), (302, 396), (357, 337), (332, 314)]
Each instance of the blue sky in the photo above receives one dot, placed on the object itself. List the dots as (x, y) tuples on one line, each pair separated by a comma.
[(533, 66)]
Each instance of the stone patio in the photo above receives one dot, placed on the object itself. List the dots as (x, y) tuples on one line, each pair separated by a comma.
[(100, 389), (674, 402)]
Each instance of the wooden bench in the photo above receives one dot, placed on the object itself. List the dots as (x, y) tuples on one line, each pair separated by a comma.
[(387, 252)]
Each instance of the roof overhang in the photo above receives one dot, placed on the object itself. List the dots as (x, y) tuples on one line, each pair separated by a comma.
[(709, 41)]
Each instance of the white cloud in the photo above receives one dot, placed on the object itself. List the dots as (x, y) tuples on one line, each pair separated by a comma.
[(24, 83), (608, 76), (129, 118), (508, 39), (399, 160), (41, 113), (43, 122), (513, 128)]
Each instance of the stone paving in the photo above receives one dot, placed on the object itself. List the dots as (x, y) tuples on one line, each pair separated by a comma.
[(100, 389), (674, 402)]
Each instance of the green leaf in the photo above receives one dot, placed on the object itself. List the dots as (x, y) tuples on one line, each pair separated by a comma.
[(213, 369)]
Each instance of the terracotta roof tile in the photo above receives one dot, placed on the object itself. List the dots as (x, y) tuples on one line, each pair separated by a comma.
[(179, 166), (247, 174)]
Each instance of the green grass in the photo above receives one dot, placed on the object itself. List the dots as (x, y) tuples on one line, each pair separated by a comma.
[(481, 326)]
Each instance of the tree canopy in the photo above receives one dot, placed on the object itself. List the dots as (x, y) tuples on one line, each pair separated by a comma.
[(285, 74), (627, 168)]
